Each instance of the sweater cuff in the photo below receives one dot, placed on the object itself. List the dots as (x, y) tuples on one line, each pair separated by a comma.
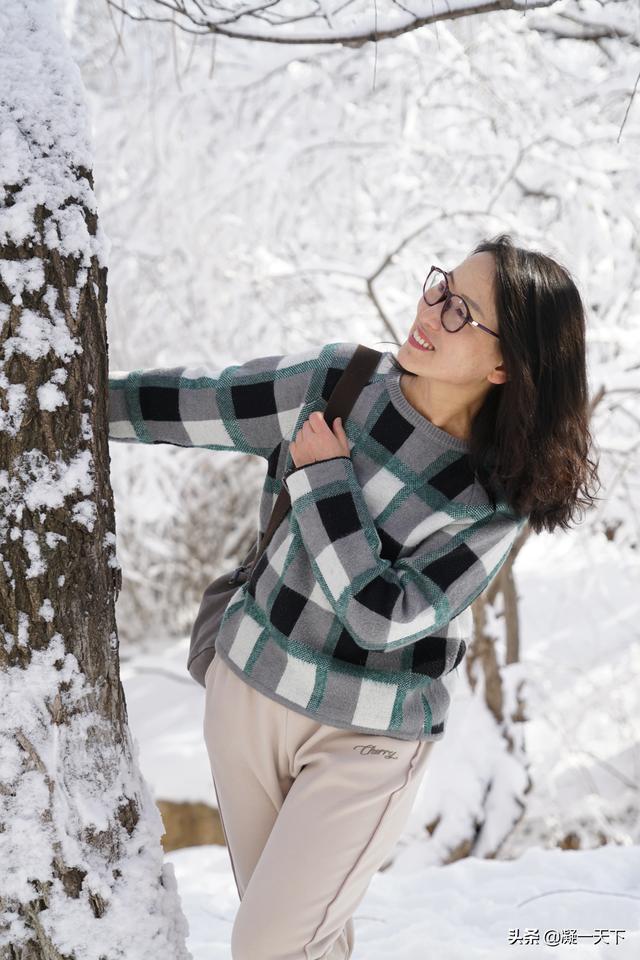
[(303, 479)]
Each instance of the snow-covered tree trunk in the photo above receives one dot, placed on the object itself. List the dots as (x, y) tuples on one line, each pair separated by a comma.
[(478, 819), (82, 872), (492, 669)]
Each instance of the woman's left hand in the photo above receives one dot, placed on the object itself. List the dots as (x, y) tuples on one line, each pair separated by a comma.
[(316, 441)]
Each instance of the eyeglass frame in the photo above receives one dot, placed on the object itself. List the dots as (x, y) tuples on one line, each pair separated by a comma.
[(446, 297)]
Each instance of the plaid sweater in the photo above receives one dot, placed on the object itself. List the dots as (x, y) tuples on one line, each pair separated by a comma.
[(358, 612)]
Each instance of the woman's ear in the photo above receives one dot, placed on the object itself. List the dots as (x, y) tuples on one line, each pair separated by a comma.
[(499, 374)]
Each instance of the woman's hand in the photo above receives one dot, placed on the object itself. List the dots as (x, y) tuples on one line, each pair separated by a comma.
[(316, 441)]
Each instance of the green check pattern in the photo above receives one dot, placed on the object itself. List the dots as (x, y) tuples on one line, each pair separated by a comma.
[(358, 613)]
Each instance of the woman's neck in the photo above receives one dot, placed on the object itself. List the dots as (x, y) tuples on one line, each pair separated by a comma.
[(457, 423)]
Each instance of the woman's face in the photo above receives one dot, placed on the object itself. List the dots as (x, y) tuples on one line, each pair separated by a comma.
[(471, 354)]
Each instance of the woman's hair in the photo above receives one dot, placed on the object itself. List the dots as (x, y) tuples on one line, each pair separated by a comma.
[(530, 440)]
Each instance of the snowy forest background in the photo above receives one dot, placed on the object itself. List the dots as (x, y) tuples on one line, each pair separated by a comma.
[(263, 198)]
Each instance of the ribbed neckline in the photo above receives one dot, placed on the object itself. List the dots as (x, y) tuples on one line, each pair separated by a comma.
[(428, 428)]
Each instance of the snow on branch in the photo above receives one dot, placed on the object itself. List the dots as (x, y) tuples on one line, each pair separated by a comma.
[(351, 23)]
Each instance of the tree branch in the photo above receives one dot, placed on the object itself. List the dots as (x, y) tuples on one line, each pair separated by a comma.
[(267, 20)]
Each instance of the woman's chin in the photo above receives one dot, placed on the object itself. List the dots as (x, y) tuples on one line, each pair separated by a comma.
[(408, 353)]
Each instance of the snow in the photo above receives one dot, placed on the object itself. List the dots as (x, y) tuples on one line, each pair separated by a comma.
[(35, 337), (39, 482), (164, 705), (69, 790), (473, 908)]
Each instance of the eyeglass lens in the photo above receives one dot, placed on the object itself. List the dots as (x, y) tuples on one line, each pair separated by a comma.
[(455, 312)]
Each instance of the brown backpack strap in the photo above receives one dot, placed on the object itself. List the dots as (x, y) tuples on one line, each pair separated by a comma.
[(343, 396)]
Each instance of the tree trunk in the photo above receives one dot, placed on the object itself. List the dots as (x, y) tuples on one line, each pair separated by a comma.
[(487, 760), (82, 864)]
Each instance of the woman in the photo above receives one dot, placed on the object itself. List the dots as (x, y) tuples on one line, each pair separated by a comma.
[(334, 662)]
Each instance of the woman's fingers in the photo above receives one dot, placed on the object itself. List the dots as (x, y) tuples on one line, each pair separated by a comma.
[(317, 439), (317, 422)]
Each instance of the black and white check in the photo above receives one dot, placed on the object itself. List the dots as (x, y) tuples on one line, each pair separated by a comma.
[(358, 612)]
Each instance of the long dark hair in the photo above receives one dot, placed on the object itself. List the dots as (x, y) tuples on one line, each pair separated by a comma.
[(530, 440)]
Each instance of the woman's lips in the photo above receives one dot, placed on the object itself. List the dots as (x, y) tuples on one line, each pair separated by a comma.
[(414, 343)]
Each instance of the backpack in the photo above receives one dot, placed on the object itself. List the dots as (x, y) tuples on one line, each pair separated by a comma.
[(220, 591)]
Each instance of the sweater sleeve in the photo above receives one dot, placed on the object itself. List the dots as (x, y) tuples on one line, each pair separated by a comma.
[(249, 407), (385, 604)]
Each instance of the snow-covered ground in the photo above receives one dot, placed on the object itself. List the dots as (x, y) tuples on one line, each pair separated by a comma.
[(470, 909), (583, 736)]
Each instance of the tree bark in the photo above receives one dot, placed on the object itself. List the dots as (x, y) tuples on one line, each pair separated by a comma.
[(79, 831)]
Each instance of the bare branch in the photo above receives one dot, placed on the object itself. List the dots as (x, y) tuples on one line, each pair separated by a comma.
[(628, 107), (585, 30), (268, 19)]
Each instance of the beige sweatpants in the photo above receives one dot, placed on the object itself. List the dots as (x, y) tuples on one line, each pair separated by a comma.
[(309, 813)]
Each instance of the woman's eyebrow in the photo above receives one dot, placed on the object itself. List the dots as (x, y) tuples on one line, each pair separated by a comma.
[(468, 299)]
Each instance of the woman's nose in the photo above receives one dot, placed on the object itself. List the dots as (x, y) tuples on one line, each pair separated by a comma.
[(431, 315)]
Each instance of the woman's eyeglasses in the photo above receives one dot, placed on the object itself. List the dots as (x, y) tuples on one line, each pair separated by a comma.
[(455, 312)]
